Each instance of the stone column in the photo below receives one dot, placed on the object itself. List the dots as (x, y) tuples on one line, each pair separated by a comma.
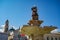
[(53, 38), (57, 38), (49, 37)]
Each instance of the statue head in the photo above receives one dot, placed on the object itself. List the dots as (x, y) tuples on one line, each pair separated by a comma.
[(34, 9)]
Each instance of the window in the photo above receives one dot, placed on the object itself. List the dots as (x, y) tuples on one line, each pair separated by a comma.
[(37, 39), (47, 38), (55, 38), (51, 38), (11, 39), (59, 38)]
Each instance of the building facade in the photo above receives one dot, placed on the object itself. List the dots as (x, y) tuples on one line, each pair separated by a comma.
[(3, 36), (53, 36)]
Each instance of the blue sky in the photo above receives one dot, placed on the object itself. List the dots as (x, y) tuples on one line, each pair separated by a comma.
[(18, 12)]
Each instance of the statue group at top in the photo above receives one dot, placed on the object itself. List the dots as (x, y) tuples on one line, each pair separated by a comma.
[(35, 21)]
